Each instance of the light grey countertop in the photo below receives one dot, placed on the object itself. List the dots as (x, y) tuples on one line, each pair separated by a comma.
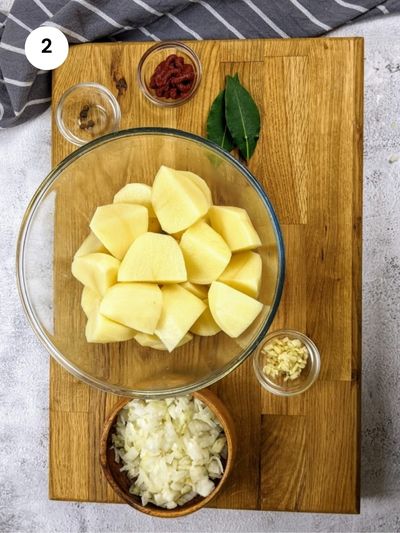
[(24, 364)]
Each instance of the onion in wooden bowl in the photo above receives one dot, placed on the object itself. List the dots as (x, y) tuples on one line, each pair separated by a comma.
[(122, 484)]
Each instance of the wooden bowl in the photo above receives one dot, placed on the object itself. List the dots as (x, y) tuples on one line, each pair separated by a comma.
[(120, 482)]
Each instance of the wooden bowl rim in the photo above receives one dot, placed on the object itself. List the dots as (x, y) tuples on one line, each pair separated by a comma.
[(226, 421)]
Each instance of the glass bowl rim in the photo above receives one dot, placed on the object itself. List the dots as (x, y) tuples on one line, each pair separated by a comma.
[(66, 132), (162, 46), (35, 322), (315, 361)]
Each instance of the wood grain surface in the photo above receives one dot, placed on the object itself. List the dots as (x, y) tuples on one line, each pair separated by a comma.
[(294, 454)]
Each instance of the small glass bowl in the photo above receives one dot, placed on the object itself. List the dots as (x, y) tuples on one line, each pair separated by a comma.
[(278, 385), (87, 111), (153, 57)]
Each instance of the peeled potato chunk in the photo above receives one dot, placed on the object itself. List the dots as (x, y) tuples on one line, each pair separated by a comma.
[(200, 182), (205, 325), (90, 300), (155, 258), (244, 273), (235, 226), (101, 329), (206, 253), (136, 305), (197, 180), (180, 310), (96, 271), (138, 193), (232, 310), (152, 341), (91, 245), (118, 225), (200, 291), (177, 201), (135, 193), (179, 234)]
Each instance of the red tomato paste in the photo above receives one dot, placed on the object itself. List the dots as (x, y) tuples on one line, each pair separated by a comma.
[(173, 78)]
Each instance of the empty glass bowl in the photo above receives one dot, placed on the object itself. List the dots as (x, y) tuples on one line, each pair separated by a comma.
[(57, 221)]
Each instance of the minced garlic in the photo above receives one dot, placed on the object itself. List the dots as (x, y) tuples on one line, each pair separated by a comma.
[(285, 358)]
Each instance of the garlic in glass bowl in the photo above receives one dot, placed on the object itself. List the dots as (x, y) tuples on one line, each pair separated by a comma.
[(285, 357), (287, 362)]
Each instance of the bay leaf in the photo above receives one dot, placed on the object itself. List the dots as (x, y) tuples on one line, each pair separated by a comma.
[(217, 129), (242, 116)]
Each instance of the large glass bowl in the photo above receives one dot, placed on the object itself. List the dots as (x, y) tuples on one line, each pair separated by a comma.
[(56, 222)]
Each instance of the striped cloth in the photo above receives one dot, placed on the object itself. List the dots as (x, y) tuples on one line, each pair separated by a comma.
[(25, 91)]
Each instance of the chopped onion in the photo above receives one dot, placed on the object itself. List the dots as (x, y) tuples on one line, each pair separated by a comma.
[(171, 449)]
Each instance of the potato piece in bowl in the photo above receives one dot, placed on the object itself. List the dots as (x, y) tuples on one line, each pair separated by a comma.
[(200, 291), (180, 310), (136, 305), (153, 258), (205, 325), (97, 271), (244, 273), (91, 245), (235, 226), (232, 310), (177, 201), (118, 225), (135, 193), (206, 253), (90, 300), (200, 182), (100, 329), (152, 341), (138, 193)]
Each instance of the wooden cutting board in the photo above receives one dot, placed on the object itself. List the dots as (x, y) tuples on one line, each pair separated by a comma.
[(297, 454)]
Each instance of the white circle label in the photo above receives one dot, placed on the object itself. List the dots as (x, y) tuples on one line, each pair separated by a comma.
[(46, 48)]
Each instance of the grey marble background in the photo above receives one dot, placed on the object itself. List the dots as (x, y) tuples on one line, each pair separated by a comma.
[(24, 364)]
